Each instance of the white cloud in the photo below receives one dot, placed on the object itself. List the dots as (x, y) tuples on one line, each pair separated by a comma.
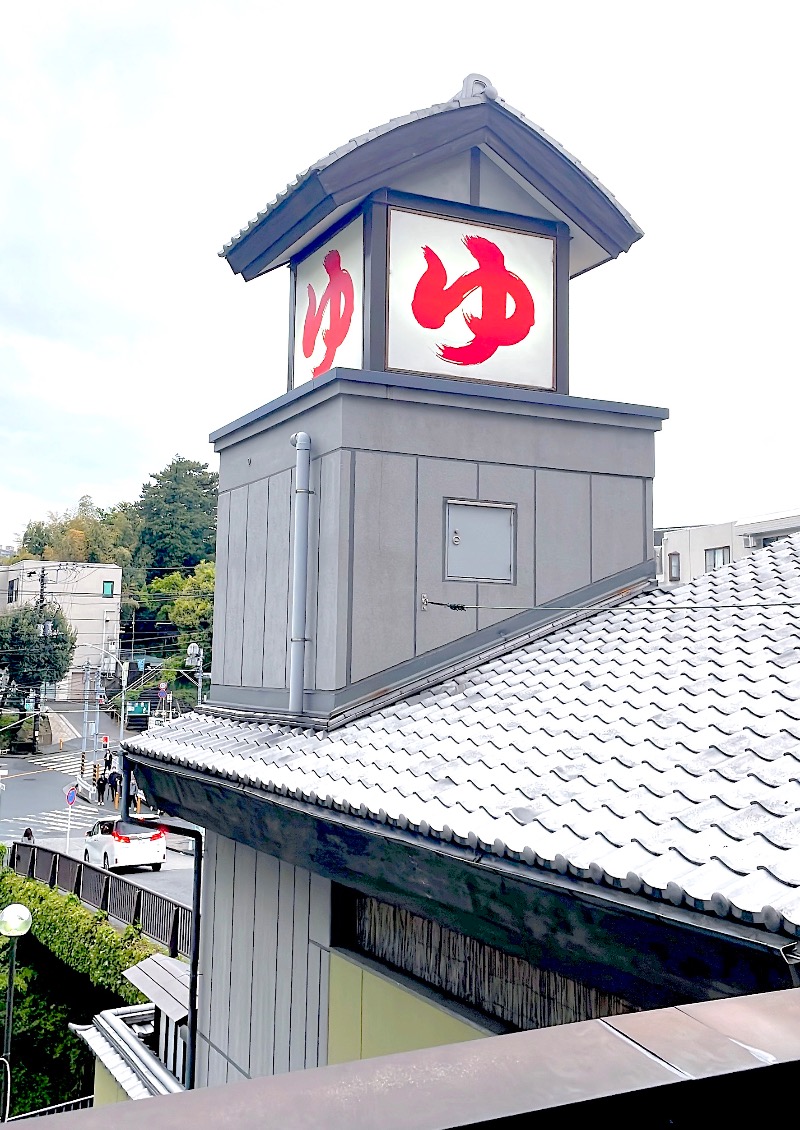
[(142, 135)]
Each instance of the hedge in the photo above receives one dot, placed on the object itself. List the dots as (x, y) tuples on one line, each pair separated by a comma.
[(81, 938)]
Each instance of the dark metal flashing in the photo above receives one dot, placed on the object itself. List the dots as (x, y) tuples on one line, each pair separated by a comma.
[(408, 381), (415, 143), (648, 952), (675, 1067), (332, 709)]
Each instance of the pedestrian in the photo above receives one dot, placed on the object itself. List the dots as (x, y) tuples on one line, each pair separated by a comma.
[(102, 781), (27, 836), (107, 761), (114, 781), (137, 795)]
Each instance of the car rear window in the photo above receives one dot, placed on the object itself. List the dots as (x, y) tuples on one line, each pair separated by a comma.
[(126, 829)]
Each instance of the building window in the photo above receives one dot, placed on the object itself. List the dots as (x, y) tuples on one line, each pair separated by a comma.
[(719, 556), (13, 591), (108, 588), (674, 560)]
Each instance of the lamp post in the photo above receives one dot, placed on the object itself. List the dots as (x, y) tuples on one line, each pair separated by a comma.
[(194, 658), (15, 921)]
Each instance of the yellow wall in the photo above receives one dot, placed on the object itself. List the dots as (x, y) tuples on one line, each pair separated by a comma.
[(106, 1089), (371, 1015)]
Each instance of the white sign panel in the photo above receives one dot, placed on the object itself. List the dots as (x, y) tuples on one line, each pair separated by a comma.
[(328, 308), (470, 300)]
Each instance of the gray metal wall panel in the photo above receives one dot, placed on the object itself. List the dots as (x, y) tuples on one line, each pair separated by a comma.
[(499, 191), (223, 936), (217, 1069), (440, 479), (267, 443), (264, 982), (649, 550), (319, 915), (383, 564), (324, 979), (445, 180), (300, 959), (265, 930), (206, 964), (517, 485), (255, 585), (244, 951), (563, 534), (283, 974), (233, 623), (220, 586), (333, 576), (276, 616), (618, 524), (525, 440)]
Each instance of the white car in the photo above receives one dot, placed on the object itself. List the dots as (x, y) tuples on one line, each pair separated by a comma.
[(115, 842)]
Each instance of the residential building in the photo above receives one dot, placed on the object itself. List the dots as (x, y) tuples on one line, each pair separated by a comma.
[(686, 552), (88, 593)]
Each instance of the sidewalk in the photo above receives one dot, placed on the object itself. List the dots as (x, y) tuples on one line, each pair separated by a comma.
[(61, 730)]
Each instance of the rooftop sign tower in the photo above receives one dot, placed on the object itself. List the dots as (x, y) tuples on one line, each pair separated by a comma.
[(428, 362)]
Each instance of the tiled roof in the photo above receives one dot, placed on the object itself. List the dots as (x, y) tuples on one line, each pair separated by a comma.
[(654, 746), (476, 89)]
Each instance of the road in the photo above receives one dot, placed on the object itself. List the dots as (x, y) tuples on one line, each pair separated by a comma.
[(34, 798)]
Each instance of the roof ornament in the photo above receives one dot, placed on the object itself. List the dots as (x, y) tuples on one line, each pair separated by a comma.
[(475, 85)]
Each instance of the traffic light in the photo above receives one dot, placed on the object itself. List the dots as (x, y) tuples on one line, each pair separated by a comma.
[(105, 743)]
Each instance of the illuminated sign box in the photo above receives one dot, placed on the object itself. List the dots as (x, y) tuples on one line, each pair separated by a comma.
[(400, 286), (467, 299)]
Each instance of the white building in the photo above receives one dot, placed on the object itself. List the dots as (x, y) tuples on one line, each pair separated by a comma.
[(686, 552), (89, 595)]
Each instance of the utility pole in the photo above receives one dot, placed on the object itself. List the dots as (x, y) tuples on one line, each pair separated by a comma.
[(37, 701), (85, 735), (98, 688)]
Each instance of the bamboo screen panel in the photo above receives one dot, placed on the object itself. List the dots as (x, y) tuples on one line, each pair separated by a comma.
[(476, 974)]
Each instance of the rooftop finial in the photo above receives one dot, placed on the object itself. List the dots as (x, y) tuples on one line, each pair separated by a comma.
[(476, 84)]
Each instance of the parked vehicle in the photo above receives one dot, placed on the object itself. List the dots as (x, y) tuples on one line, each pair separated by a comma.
[(115, 842)]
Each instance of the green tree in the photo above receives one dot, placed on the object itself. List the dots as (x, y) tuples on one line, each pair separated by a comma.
[(178, 512), (36, 646), (188, 603)]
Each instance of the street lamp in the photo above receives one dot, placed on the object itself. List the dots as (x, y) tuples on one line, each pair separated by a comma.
[(194, 658), (15, 921)]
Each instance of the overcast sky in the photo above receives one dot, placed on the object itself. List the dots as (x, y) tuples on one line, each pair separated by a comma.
[(136, 138)]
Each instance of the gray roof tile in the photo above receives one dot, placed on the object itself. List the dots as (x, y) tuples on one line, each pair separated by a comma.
[(653, 747)]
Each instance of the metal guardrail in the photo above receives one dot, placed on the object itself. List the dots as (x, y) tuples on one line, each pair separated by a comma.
[(59, 1108), (161, 919)]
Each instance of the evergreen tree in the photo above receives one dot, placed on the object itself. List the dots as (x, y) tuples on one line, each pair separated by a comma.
[(178, 512)]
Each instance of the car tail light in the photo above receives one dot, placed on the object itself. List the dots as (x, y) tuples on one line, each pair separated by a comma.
[(158, 835), (120, 839)]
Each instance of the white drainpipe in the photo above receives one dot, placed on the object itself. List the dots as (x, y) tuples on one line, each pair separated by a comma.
[(297, 648)]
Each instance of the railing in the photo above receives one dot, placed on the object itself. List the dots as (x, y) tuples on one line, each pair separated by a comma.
[(161, 919), (59, 1108)]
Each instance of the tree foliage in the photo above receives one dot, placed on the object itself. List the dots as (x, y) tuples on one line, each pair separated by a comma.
[(85, 534), (189, 604), (36, 646), (178, 512)]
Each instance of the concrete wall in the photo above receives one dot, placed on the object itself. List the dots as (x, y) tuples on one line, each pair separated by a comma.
[(263, 1001), (386, 457), (77, 586)]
